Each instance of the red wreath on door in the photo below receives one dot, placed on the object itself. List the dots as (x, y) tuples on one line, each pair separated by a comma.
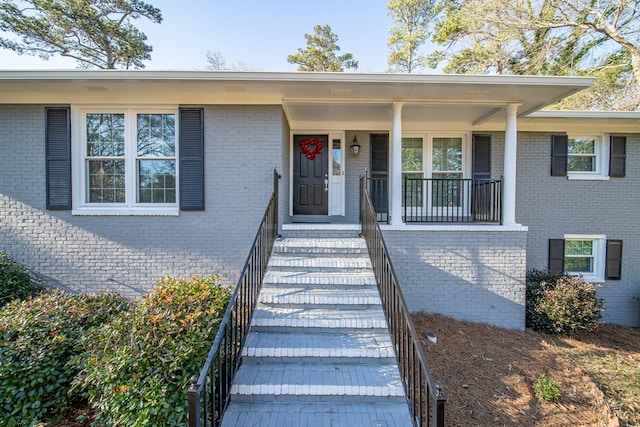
[(317, 148)]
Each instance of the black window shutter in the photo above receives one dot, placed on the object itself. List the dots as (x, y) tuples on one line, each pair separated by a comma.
[(58, 157), (191, 159), (617, 156), (556, 255), (614, 260), (559, 144), (481, 156)]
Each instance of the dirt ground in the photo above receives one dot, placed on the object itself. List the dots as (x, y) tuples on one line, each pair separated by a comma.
[(488, 373)]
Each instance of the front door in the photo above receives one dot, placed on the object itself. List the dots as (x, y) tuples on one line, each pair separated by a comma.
[(310, 174)]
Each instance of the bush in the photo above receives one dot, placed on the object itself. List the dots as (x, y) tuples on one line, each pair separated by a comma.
[(39, 338), (546, 389), (138, 367), (15, 281), (559, 303)]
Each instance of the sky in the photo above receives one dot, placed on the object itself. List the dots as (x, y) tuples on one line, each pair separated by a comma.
[(259, 33)]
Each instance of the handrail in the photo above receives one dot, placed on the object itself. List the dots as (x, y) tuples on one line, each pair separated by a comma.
[(422, 391), (208, 395), (452, 200)]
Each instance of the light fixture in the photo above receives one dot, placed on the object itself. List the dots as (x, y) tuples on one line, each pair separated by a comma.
[(355, 147)]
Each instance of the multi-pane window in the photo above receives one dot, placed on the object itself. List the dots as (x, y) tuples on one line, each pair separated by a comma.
[(412, 171), (578, 256), (130, 158), (581, 154), (105, 158), (446, 171), (156, 158)]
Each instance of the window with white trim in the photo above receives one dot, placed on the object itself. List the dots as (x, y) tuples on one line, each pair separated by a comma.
[(446, 171), (127, 161), (587, 157), (585, 255), (412, 170)]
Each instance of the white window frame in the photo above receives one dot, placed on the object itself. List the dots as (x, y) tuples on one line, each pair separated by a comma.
[(601, 159), (599, 256), (465, 172), (81, 205)]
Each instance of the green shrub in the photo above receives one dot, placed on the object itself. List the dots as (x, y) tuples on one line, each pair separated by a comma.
[(559, 303), (546, 389), (15, 281), (39, 338), (139, 365)]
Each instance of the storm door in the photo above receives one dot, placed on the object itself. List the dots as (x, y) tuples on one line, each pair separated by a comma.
[(310, 174)]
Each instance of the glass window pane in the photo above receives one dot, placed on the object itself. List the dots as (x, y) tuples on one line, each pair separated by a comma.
[(412, 189), (106, 181), (579, 264), (157, 181), (156, 135), (412, 154), (105, 135), (581, 146), (447, 154), (337, 158), (446, 189), (581, 164), (578, 248)]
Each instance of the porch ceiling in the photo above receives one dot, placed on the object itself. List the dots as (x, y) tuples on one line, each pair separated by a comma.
[(310, 100)]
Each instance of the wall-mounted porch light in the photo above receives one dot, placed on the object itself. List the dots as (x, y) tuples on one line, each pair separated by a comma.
[(355, 147)]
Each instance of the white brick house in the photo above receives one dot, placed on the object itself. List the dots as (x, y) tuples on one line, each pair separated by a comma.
[(112, 179)]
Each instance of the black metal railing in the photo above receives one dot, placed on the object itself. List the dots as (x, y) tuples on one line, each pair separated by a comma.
[(425, 397), (208, 395), (452, 200), (441, 199)]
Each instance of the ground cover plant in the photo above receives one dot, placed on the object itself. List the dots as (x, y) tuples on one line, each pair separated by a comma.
[(138, 366), (15, 281), (39, 339)]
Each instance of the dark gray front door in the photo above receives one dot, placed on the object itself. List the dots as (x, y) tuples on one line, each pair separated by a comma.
[(310, 175)]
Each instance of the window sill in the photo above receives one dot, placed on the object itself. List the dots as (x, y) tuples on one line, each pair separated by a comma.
[(586, 177), (125, 212)]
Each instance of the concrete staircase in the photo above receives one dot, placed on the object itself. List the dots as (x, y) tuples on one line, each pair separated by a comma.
[(319, 351)]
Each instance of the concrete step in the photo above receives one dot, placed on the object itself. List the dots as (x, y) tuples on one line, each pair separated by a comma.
[(319, 263), (304, 345), (309, 295), (344, 246), (291, 382), (269, 316), (320, 278), (317, 414)]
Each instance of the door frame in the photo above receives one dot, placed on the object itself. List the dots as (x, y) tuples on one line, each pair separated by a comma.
[(331, 135)]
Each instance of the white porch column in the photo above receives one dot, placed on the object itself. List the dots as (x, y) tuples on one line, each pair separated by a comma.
[(510, 152), (395, 172)]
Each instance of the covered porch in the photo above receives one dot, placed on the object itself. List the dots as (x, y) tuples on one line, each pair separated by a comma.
[(435, 149)]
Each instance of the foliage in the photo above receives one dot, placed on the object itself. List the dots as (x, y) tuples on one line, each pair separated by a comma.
[(546, 389), (321, 53), (138, 367), (216, 61), (39, 338), (544, 37), (559, 303), (15, 281), (98, 34), (409, 32)]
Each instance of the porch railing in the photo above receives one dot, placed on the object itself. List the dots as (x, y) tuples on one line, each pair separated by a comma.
[(426, 400), (441, 199), (208, 395)]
